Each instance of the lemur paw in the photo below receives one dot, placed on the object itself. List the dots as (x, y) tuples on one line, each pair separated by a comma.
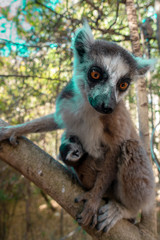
[(8, 133), (89, 214), (109, 215), (71, 150)]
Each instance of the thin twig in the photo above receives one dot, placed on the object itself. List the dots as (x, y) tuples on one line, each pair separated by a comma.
[(28, 76), (117, 11)]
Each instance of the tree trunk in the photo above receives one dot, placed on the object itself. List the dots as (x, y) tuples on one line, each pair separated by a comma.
[(142, 100), (141, 83), (40, 168)]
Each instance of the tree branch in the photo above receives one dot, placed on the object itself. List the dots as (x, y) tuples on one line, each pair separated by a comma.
[(54, 179), (28, 76), (117, 10)]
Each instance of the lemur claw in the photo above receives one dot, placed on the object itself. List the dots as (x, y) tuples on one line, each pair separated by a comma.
[(94, 221)]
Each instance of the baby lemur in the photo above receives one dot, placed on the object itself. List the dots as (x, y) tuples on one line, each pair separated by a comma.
[(100, 141)]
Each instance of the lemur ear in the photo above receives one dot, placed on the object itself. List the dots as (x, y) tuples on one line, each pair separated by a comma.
[(144, 65), (83, 39)]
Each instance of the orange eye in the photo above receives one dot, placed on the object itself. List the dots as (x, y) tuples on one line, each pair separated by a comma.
[(123, 86), (95, 75)]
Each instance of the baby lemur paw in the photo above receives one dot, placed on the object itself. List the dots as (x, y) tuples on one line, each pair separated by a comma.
[(108, 216), (71, 151)]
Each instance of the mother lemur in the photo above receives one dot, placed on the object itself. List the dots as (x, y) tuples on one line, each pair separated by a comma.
[(100, 141)]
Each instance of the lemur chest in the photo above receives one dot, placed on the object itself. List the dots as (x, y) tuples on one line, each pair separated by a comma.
[(89, 129)]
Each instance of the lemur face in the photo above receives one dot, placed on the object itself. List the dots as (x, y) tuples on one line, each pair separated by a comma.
[(103, 71), (107, 81)]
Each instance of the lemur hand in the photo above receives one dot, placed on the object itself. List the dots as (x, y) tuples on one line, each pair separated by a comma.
[(8, 133), (89, 214)]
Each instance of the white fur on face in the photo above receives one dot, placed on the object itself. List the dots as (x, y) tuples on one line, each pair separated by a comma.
[(116, 68), (100, 89)]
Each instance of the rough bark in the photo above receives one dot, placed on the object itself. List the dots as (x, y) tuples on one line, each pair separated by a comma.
[(56, 181), (142, 100)]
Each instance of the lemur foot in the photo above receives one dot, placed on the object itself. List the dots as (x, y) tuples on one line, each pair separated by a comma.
[(89, 214), (8, 133), (71, 151), (109, 215)]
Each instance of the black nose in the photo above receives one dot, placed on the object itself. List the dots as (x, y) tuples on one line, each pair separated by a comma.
[(106, 110)]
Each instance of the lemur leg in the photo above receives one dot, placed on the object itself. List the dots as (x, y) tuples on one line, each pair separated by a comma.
[(93, 197), (43, 124), (134, 189)]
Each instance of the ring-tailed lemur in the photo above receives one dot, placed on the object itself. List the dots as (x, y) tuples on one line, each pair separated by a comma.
[(100, 141)]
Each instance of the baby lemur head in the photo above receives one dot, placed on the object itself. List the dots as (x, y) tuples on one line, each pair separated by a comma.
[(103, 71)]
